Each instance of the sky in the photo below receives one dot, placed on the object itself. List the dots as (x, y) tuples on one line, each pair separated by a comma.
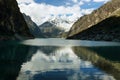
[(44, 10)]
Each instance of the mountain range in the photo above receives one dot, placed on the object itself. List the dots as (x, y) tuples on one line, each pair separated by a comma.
[(50, 29), (102, 24)]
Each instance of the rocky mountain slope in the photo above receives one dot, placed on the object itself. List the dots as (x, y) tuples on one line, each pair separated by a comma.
[(34, 29), (12, 23), (50, 30), (101, 24)]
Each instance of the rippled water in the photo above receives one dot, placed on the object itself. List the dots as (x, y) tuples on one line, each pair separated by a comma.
[(59, 59)]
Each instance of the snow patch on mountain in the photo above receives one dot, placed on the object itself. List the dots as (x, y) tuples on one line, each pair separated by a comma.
[(62, 23)]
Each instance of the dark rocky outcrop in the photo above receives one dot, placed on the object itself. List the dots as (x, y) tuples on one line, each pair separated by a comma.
[(34, 29), (101, 24), (12, 23)]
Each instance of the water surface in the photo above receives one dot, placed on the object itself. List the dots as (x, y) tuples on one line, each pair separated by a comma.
[(59, 59)]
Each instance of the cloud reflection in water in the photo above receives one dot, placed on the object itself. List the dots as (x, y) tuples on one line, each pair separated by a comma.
[(61, 64)]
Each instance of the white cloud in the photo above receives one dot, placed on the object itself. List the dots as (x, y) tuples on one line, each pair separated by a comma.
[(75, 1), (87, 11), (86, 0), (101, 0), (43, 12), (25, 1)]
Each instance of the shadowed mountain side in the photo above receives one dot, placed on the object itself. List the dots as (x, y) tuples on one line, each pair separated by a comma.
[(94, 18), (106, 30), (12, 23), (101, 62), (34, 29)]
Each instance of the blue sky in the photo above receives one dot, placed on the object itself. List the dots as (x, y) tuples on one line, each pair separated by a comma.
[(52, 2), (43, 10), (86, 5)]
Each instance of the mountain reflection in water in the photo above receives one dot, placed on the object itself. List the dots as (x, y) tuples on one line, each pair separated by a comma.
[(60, 64), (59, 59)]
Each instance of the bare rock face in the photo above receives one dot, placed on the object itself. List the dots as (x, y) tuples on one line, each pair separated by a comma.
[(101, 24), (12, 23)]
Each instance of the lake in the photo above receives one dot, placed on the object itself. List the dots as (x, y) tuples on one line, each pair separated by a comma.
[(59, 59)]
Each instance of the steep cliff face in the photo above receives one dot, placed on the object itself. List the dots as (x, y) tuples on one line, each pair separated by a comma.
[(96, 17), (12, 23), (34, 29)]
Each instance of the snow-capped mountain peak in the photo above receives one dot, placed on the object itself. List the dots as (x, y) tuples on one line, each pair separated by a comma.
[(61, 23)]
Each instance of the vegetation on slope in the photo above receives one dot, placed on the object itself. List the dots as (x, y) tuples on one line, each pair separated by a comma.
[(99, 24)]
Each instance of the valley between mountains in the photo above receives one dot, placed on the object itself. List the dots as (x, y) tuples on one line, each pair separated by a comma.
[(103, 24)]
